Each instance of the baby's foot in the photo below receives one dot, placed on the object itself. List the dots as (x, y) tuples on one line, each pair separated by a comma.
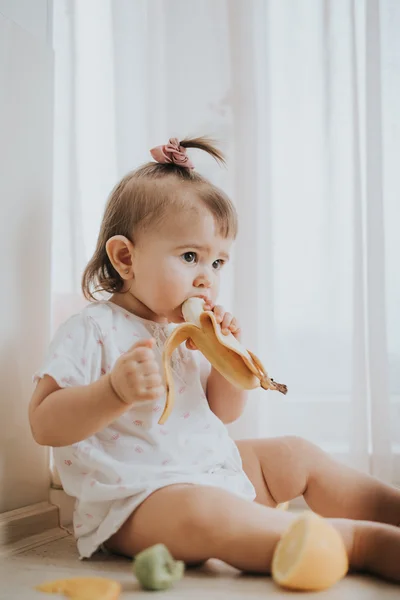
[(377, 549)]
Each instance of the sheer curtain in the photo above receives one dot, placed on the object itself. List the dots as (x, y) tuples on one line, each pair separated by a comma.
[(303, 98)]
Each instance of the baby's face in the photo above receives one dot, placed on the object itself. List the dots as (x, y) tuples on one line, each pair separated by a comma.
[(180, 259)]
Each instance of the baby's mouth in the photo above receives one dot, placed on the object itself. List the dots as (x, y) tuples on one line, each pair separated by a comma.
[(206, 299), (207, 302), (178, 315)]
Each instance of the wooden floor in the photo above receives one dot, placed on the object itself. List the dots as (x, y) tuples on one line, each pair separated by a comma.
[(20, 574)]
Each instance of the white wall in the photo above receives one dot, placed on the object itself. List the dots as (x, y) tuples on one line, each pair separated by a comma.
[(32, 15), (26, 92)]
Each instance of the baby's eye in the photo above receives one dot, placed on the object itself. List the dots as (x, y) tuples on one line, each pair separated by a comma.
[(190, 257), (218, 264)]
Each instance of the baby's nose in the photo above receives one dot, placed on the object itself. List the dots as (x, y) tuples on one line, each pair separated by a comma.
[(202, 281)]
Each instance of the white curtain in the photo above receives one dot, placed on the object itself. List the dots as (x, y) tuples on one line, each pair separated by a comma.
[(303, 97)]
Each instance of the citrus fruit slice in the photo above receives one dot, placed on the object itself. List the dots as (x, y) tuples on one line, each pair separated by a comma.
[(83, 588), (310, 555)]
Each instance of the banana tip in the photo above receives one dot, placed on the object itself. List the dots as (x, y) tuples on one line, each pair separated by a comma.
[(270, 384)]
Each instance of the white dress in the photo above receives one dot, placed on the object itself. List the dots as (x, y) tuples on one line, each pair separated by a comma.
[(111, 473)]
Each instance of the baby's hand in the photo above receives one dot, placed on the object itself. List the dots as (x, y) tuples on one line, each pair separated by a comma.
[(227, 321), (136, 374)]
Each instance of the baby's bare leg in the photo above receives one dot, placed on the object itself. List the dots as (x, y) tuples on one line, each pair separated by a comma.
[(283, 468), (200, 522)]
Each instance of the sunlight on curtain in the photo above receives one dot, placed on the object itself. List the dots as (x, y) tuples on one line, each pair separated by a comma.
[(303, 97), (334, 282)]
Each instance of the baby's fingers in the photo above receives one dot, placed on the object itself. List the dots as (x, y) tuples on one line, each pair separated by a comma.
[(226, 323), (234, 326), (152, 381), (141, 354), (147, 367), (190, 344), (153, 393), (219, 313), (147, 343)]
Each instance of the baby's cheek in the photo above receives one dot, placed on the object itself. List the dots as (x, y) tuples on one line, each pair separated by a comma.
[(170, 293), (214, 292)]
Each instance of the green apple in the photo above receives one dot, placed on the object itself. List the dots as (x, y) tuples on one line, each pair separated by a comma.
[(156, 569)]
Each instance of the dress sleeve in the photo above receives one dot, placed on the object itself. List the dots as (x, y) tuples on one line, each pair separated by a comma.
[(75, 355)]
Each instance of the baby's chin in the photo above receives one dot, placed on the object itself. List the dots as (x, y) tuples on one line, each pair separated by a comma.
[(175, 315), (177, 320)]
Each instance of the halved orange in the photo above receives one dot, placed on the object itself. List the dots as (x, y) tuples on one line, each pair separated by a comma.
[(311, 555), (84, 588)]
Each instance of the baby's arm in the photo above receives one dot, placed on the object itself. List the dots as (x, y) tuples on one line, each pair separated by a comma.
[(225, 400), (64, 416)]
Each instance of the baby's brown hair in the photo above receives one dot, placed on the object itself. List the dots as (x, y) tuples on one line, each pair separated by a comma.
[(141, 200)]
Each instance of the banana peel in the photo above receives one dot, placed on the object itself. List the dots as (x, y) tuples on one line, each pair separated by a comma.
[(226, 354)]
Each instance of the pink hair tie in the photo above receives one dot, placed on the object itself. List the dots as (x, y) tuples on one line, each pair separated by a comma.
[(172, 152)]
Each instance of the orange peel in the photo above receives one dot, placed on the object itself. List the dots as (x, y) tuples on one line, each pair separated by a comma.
[(83, 588), (239, 366), (310, 555)]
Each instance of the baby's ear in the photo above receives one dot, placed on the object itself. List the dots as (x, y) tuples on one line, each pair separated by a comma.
[(120, 252)]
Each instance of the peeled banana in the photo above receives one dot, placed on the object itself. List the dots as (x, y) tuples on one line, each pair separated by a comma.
[(226, 354)]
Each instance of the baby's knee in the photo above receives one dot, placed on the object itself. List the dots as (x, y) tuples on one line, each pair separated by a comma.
[(301, 449), (296, 443), (199, 516)]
